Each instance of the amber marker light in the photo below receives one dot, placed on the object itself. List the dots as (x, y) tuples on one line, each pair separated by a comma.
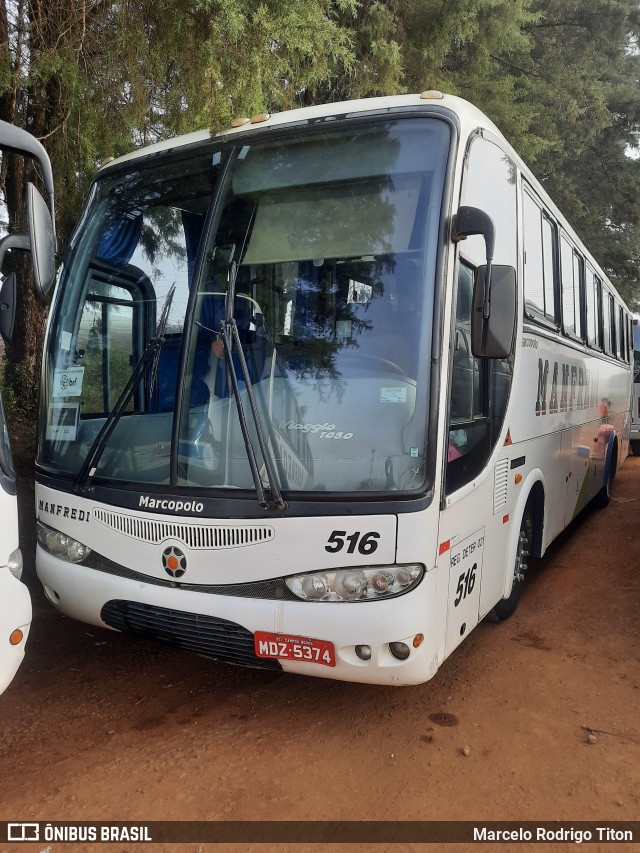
[(518, 479), (418, 640), (431, 95), (260, 117), (15, 637), (239, 122)]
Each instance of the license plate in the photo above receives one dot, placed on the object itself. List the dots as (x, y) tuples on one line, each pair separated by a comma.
[(286, 647)]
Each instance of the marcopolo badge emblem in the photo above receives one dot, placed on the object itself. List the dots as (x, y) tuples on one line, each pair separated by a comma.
[(174, 561)]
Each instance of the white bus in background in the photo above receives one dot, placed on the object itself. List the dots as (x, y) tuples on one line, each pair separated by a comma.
[(15, 603), (314, 389), (635, 401)]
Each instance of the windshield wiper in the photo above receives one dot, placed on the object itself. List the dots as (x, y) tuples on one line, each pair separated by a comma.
[(269, 497), (149, 358)]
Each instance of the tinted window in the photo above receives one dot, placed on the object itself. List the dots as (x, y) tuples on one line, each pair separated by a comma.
[(490, 184), (571, 267), (539, 241), (593, 318)]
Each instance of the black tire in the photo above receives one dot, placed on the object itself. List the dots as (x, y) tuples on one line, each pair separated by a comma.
[(602, 498), (507, 606), (635, 446)]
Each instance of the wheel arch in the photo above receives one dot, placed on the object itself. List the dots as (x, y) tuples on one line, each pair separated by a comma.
[(532, 491)]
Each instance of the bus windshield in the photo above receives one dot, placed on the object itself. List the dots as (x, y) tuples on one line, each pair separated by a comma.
[(318, 247)]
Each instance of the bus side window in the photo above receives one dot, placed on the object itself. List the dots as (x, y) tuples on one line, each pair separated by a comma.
[(539, 262), (593, 315), (468, 440), (465, 376), (110, 335)]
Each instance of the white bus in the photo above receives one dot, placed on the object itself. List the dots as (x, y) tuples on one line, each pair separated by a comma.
[(15, 603), (635, 401), (314, 388)]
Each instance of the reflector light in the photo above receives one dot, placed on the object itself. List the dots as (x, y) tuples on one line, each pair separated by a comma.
[(15, 638), (260, 117), (239, 122)]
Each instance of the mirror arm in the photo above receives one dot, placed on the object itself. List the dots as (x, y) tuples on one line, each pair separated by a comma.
[(486, 302), (13, 241), (467, 222)]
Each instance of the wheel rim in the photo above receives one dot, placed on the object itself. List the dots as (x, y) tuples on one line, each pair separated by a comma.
[(522, 551)]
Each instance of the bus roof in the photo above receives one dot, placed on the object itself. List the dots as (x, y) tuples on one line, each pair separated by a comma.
[(466, 113)]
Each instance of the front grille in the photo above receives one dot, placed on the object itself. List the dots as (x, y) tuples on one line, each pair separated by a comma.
[(196, 536), (192, 632)]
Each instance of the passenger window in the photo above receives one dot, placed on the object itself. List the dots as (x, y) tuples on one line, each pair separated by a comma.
[(606, 323), (622, 347), (571, 266), (539, 276), (593, 317), (612, 320)]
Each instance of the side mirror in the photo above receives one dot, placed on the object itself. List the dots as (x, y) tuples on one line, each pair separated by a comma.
[(22, 142), (492, 336), (8, 306), (43, 241), (13, 241)]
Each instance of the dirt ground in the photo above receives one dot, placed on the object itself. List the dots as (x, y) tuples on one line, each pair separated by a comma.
[(103, 726)]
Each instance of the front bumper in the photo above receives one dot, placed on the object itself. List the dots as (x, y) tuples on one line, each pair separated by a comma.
[(15, 613), (222, 626)]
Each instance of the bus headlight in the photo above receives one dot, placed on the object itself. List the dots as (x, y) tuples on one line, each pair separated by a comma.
[(14, 563), (61, 545), (370, 584)]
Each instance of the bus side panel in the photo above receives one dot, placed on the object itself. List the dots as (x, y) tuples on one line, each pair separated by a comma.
[(8, 525), (15, 602)]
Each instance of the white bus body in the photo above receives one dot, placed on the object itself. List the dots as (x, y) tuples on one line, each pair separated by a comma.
[(329, 450), (15, 602), (635, 401)]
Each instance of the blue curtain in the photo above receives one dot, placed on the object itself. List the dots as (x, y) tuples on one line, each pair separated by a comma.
[(120, 239)]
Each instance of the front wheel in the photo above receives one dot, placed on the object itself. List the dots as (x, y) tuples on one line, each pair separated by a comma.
[(506, 607)]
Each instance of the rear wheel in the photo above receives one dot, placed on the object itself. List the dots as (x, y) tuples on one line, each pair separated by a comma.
[(602, 498), (506, 607)]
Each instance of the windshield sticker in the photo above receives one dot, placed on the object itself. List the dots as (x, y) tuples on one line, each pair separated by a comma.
[(62, 423), (359, 293), (68, 382), (393, 395), (323, 430), (343, 330)]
